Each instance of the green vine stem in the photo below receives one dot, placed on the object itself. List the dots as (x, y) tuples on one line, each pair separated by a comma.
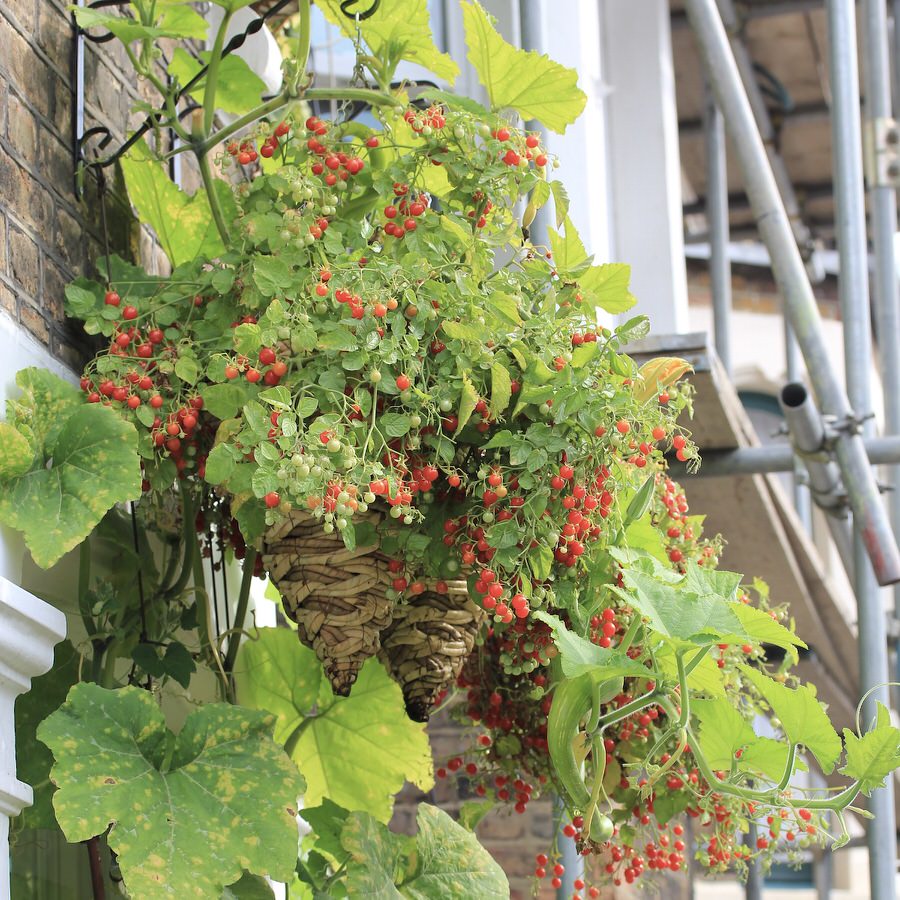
[(240, 615), (212, 73), (214, 205)]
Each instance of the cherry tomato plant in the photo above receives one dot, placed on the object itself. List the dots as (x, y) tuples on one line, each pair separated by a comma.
[(366, 378)]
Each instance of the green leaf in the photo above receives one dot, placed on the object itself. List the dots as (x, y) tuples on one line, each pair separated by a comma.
[(16, 454), (86, 463), (640, 502), (395, 425), (80, 302), (560, 201), (228, 789), (183, 223), (761, 627), (501, 389), (178, 20), (33, 759), (540, 194), (579, 656), (225, 400), (723, 731), (356, 750), (872, 757), (606, 287), (803, 718), (238, 87), (45, 404), (401, 26), (678, 612), (448, 862), (467, 403), (473, 811), (327, 821), (232, 5), (532, 84), (569, 255), (187, 370), (271, 274), (463, 332), (767, 757), (248, 887)]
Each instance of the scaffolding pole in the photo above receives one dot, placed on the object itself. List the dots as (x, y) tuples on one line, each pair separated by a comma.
[(787, 265), (883, 207), (717, 224), (853, 285), (773, 458)]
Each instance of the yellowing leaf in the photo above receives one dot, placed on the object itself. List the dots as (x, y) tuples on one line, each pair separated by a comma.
[(16, 453), (523, 80), (183, 223), (467, 402), (188, 813), (606, 287), (657, 374), (501, 389)]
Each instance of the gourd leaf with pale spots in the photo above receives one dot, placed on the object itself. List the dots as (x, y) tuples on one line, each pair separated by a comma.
[(16, 453), (84, 461), (446, 863), (356, 750), (872, 757), (249, 887), (523, 80), (189, 813), (803, 718), (183, 223), (401, 27), (33, 759)]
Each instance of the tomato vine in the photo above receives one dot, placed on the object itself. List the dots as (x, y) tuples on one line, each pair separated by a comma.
[(368, 380)]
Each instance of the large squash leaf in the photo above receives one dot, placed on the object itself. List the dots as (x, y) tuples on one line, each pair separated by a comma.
[(33, 759), (183, 223), (188, 813), (523, 80), (356, 750), (872, 757), (403, 27), (83, 460), (448, 862)]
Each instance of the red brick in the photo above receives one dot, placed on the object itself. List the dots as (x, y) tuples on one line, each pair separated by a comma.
[(34, 322), (21, 130), (25, 263), (7, 300)]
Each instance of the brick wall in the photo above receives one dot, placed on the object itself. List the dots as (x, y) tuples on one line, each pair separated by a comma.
[(47, 235)]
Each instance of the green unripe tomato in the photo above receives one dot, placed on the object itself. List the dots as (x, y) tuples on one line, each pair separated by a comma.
[(341, 523), (408, 520), (445, 405), (328, 528), (459, 132), (368, 497), (374, 376), (406, 396), (415, 421), (333, 446), (396, 512)]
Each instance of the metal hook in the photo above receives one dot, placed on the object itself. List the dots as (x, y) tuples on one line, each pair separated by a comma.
[(346, 6)]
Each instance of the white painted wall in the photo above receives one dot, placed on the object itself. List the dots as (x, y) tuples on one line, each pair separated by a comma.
[(644, 163)]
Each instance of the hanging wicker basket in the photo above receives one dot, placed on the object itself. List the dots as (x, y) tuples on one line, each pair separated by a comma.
[(427, 642), (337, 597)]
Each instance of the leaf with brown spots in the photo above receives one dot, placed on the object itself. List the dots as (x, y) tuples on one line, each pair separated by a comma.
[(189, 813), (83, 460)]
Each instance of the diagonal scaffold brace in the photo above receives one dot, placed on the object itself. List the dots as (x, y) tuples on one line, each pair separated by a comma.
[(790, 274)]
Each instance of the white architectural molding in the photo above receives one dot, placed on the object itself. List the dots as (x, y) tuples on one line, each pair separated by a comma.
[(29, 630)]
